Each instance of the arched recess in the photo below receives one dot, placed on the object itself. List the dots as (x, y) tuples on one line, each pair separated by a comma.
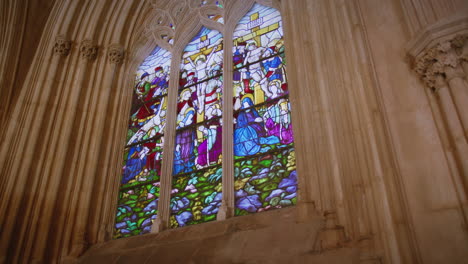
[(187, 23), (141, 172)]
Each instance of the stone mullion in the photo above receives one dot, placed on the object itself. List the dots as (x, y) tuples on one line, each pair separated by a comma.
[(227, 206), (164, 211)]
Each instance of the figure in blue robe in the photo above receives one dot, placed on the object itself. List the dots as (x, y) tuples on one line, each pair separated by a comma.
[(273, 69), (135, 164), (250, 133)]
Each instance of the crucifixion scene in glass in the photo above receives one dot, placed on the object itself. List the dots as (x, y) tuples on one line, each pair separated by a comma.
[(263, 153)]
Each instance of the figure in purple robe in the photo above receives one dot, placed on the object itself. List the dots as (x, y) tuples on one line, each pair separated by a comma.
[(183, 155), (278, 122), (210, 149)]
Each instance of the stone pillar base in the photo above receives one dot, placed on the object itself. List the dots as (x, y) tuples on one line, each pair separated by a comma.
[(224, 212), (158, 226)]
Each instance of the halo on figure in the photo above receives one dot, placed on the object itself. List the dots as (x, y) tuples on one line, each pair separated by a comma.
[(200, 57), (188, 110), (275, 82), (185, 91), (250, 43), (283, 104), (250, 96), (236, 86)]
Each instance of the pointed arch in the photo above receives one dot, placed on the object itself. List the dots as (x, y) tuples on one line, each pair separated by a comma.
[(264, 157), (141, 172), (197, 172)]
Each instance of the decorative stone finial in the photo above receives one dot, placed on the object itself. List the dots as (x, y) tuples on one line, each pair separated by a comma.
[(440, 59), (116, 54), (62, 46), (88, 50)]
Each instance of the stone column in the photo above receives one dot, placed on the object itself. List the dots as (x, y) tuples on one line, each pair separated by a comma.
[(25, 218), (441, 68), (464, 58), (88, 53), (459, 91)]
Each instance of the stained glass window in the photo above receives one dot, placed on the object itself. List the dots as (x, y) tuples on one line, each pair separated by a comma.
[(141, 171), (197, 172), (264, 158), (265, 171)]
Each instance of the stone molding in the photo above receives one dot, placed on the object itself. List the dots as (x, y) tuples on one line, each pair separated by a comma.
[(88, 50), (116, 54), (62, 46)]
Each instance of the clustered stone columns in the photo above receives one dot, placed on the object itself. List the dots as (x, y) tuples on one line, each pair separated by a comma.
[(73, 220), (444, 70)]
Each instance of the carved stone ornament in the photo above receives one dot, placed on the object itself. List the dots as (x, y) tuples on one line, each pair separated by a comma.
[(116, 54), (440, 60), (88, 50), (62, 46)]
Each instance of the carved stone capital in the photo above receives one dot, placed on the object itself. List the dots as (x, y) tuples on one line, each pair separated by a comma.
[(88, 50), (116, 54), (441, 60), (62, 46)]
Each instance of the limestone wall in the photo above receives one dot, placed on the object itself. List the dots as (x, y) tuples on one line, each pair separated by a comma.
[(380, 134)]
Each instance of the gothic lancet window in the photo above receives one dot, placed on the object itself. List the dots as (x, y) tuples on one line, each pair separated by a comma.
[(196, 186), (263, 145), (141, 172), (264, 166)]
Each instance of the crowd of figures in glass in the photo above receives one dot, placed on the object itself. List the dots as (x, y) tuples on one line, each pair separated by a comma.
[(264, 157), (139, 189), (196, 188), (265, 168)]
